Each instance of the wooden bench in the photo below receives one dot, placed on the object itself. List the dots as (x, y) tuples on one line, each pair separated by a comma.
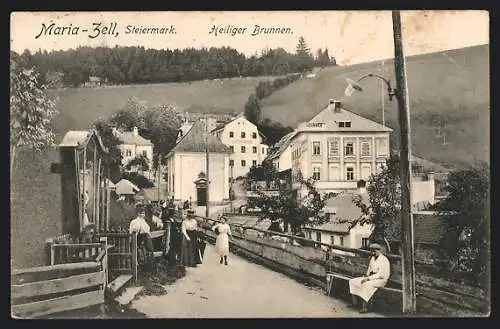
[(387, 299)]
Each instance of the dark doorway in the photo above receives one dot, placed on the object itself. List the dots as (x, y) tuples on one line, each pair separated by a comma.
[(201, 196)]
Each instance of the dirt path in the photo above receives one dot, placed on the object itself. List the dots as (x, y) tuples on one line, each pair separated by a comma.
[(241, 289)]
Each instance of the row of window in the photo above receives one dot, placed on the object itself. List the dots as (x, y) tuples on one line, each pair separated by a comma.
[(243, 134), (349, 149), (332, 238), (243, 163), (243, 149), (128, 153), (349, 173)]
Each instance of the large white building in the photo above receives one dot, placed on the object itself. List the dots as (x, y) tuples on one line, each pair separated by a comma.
[(337, 148), (134, 145), (245, 142), (186, 166)]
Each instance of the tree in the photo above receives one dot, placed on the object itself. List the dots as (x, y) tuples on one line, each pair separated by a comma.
[(162, 123), (265, 172), (293, 210), (141, 163), (253, 111), (467, 211), (384, 191), (32, 110), (111, 142), (273, 130), (305, 60)]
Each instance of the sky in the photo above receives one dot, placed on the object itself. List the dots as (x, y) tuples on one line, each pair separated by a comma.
[(350, 36)]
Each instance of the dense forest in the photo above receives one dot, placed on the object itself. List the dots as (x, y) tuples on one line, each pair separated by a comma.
[(134, 65)]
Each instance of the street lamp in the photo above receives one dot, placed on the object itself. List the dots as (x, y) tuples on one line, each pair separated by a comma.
[(401, 94)]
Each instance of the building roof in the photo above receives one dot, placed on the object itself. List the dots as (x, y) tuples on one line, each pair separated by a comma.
[(344, 213), (281, 146), (241, 115), (126, 187), (327, 119), (196, 140), (428, 228), (80, 139), (74, 138), (129, 137)]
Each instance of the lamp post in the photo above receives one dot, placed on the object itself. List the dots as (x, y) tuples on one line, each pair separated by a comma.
[(401, 94)]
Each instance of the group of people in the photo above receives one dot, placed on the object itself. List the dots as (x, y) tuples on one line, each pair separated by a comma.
[(184, 241)]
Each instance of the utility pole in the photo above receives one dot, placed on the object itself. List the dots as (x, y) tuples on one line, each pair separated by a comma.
[(159, 177), (382, 96), (409, 292), (207, 155), (231, 189)]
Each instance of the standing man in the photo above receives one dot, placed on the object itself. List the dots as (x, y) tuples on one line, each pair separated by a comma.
[(376, 277)]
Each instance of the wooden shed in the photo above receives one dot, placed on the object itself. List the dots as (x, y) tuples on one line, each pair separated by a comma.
[(85, 182)]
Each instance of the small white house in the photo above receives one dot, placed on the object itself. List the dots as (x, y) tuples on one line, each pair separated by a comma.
[(133, 146), (343, 228)]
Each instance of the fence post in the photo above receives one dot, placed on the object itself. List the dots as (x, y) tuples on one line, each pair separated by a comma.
[(104, 241), (134, 255), (49, 260)]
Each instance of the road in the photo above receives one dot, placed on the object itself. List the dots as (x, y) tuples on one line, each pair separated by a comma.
[(240, 290)]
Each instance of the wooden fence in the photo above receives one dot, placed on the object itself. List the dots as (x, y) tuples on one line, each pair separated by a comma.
[(440, 291), (122, 257), (56, 288)]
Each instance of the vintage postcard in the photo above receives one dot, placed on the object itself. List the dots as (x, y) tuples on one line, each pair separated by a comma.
[(240, 164)]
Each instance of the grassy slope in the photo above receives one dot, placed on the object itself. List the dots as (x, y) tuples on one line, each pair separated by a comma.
[(36, 192), (453, 83), (80, 107)]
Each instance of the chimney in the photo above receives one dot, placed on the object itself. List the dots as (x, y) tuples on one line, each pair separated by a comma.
[(136, 131), (336, 105)]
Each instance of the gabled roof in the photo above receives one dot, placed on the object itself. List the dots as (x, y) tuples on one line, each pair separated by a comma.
[(228, 122), (241, 115), (328, 118), (80, 138), (344, 214), (128, 137), (126, 187), (281, 146), (196, 140)]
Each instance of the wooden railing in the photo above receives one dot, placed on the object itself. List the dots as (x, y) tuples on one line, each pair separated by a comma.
[(437, 288), (46, 290)]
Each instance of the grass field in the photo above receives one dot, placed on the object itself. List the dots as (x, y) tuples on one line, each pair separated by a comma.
[(36, 192), (454, 84), (80, 107)]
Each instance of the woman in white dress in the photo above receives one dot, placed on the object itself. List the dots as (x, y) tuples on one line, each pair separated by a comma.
[(222, 242)]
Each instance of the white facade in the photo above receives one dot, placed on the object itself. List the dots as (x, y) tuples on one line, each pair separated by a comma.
[(357, 237), (134, 145), (284, 160), (246, 144), (131, 151), (184, 169)]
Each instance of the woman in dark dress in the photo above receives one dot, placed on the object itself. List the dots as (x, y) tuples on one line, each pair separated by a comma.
[(190, 253)]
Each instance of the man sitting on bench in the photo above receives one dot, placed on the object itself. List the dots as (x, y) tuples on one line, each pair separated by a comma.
[(377, 275)]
